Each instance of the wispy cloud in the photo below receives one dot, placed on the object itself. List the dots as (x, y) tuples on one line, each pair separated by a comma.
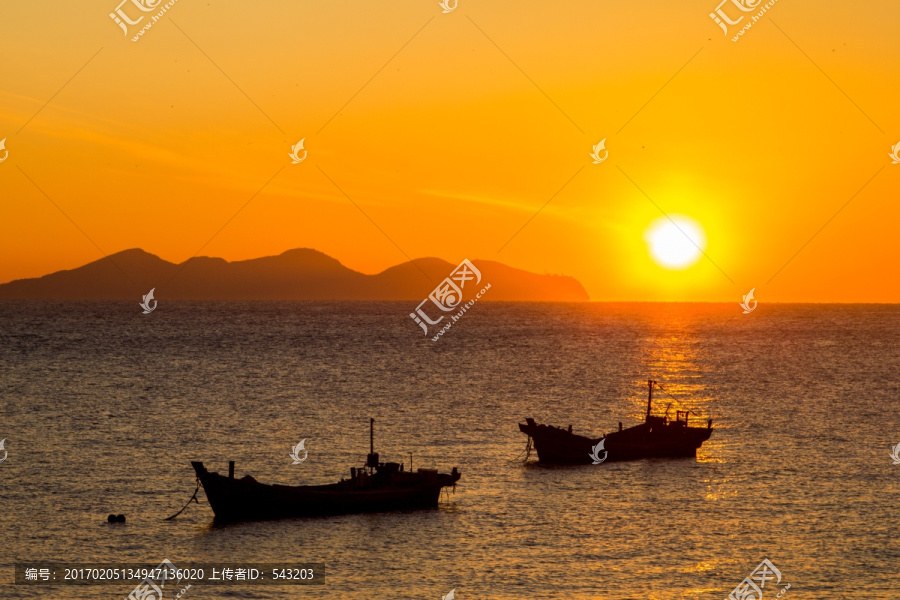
[(568, 213)]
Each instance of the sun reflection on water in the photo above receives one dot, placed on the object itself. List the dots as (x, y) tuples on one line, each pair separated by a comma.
[(673, 358)]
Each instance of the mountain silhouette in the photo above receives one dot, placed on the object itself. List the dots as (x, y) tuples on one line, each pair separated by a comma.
[(299, 274)]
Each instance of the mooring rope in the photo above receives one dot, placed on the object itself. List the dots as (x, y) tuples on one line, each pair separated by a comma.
[(193, 499), (526, 452)]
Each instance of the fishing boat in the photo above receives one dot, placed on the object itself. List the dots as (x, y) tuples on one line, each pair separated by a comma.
[(656, 437), (374, 487)]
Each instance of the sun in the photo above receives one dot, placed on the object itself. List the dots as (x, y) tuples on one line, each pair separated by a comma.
[(675, 241)]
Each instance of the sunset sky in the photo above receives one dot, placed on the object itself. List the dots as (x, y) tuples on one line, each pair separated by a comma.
[(449, 131)]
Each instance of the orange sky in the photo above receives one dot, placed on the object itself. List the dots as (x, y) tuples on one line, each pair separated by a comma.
[(484, 115)]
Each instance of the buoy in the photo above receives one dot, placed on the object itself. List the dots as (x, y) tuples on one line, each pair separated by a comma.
[(111, 519), (120, 518)]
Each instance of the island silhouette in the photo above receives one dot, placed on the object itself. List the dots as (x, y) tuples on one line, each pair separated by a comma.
[(298, 274)]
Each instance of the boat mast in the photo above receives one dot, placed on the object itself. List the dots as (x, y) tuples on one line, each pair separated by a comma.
[(372, 459), (650, 383)]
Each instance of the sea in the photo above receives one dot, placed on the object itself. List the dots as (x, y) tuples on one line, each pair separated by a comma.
[(102, 409)]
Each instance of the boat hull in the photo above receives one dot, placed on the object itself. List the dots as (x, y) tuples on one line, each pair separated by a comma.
[(248, 500), (647, 440)]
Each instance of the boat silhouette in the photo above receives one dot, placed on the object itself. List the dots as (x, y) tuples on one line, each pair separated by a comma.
[(656, 437), (374, 487)]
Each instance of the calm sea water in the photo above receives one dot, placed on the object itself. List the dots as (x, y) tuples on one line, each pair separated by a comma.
[(103, 408)]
